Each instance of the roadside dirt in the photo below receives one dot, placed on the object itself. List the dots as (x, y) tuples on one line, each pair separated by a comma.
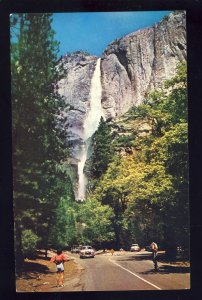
[(38, 275)]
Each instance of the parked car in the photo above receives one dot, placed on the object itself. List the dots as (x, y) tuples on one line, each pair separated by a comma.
[(135, 247), (86, 251), (148, 248)]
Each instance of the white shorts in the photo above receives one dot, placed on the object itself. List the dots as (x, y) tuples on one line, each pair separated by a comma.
[(60, 267)]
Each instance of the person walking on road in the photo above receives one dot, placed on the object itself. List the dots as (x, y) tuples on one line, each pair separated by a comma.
[(59, 260), (154, 249), (112, 251)]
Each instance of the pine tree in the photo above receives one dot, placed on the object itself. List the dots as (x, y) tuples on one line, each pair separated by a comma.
[(102, 149), (38, 140)]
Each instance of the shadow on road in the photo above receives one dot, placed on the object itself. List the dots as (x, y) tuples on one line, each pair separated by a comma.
[(166, 269), (173, 269), (164, 266), (139, 257)]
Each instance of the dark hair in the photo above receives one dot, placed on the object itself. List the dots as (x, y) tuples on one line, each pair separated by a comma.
[(59, 251)]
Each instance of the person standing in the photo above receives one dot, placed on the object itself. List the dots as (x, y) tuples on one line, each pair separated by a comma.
[(59, 259), (154, 249), (112, 251)]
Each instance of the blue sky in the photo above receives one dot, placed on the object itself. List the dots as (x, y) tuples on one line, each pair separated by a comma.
[(94, 31)]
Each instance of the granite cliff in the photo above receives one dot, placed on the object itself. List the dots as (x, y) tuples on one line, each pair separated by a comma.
[(140, 62), (75, 88)]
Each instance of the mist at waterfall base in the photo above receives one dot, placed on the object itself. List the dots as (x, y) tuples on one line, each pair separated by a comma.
[(91, 124)]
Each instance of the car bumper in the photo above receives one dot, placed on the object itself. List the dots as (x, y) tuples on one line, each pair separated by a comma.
[(87, 255)]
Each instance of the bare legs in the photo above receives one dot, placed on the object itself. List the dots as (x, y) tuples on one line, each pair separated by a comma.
[(60, 278)]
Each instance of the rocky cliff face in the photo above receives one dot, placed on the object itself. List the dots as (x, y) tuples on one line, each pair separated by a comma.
[(75, 87), (141, 62)]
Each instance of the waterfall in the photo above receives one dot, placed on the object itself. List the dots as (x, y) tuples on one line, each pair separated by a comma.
[(90, 126), (93, 118), (82, 180)]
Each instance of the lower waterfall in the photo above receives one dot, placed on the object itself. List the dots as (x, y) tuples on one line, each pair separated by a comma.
[(90, 126)]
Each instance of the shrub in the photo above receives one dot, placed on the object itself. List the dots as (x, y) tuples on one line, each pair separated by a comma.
[(29, 243)]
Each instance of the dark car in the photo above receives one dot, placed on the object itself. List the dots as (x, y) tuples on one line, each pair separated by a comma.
[(148, 248)]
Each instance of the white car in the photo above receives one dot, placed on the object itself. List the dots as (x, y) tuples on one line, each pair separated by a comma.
[(87, 251), (134, 247)]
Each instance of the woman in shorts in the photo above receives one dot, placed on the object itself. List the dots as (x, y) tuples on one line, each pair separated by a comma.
[(59, 260)]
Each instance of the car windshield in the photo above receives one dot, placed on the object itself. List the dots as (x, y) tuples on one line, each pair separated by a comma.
[(87, 247)]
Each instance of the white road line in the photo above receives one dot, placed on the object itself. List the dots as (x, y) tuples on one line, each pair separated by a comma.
[(158, 288)]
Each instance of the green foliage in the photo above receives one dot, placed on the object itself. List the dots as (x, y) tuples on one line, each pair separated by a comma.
[(126, 140), (29, 243), (132, 189), (95, 222), (59, 232), (148, 189)]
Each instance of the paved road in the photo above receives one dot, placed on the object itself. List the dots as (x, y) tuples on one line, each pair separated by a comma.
[(126, 271)]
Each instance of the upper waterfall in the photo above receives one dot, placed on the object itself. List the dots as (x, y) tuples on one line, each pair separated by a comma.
[(96, 112), (91, 124)]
